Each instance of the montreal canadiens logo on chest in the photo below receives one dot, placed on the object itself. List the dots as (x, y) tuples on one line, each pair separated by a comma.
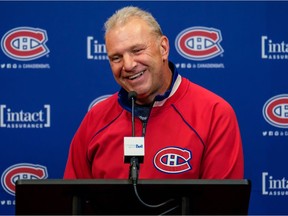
[(172, 160)]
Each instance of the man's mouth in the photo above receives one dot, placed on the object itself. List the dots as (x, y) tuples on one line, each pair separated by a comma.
[(136, 75)]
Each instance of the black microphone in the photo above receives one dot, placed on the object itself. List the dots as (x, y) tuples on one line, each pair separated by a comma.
[(132, 95)]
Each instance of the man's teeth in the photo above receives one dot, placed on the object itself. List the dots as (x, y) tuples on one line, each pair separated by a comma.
[(136, 75)]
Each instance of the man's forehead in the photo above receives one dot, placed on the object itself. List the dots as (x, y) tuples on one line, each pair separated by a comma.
[(134, 23)]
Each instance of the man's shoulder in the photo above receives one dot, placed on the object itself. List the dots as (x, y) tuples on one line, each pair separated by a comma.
[(196, 95)]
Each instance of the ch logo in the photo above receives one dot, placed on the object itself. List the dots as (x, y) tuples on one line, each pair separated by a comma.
[(199, 43), (172, 160), (21, 171), (25, 43)]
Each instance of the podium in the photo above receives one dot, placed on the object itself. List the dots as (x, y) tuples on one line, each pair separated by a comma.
[(118, 197)]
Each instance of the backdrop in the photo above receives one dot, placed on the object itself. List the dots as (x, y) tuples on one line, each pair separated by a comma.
[(53, 67)]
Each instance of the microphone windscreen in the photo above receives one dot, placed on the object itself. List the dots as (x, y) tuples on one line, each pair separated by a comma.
[(132, 94)]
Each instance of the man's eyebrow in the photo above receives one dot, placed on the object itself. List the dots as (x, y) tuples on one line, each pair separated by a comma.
[(137, 46)]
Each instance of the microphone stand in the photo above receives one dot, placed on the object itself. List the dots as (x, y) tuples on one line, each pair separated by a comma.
[(133, 113), (134, 163)]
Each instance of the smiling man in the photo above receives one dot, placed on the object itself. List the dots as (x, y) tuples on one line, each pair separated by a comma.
[(139, 60), (189, 132)]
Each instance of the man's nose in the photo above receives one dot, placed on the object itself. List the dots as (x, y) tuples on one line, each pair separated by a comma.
[(128, 62)]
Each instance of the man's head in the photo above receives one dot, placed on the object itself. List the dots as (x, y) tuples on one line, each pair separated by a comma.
[(138, 53), (122, 16)]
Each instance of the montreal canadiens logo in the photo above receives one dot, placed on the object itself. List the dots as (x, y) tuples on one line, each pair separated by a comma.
[(199, 43), (275, 111), (21, 171), (98, 100), (25, 43), (172, 160)]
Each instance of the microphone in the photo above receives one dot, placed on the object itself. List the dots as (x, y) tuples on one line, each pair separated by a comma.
[(133, 146), (132, 96)]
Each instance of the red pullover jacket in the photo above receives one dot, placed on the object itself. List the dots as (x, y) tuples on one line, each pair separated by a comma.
[(190, 134)]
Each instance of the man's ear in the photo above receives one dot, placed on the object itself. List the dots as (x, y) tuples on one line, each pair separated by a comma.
[(164, 47)]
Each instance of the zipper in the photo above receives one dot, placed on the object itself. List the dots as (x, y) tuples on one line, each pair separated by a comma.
[(144, 124), (145, 121)]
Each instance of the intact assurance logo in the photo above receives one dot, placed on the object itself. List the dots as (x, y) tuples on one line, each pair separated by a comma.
[(275, 112), (25, 44), (11, 118), (272, 186), (96, 50), (199, 44), (273, 50)]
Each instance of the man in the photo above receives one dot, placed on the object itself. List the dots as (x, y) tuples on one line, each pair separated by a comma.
[(189, 132)]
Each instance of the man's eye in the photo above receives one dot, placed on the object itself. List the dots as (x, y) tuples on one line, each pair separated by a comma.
[(137, 51), (115, 59)]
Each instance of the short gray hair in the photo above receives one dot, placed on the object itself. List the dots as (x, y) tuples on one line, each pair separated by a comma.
[(123, 15)]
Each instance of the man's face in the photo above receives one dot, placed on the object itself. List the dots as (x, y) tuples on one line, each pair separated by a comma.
[(137, 57)]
